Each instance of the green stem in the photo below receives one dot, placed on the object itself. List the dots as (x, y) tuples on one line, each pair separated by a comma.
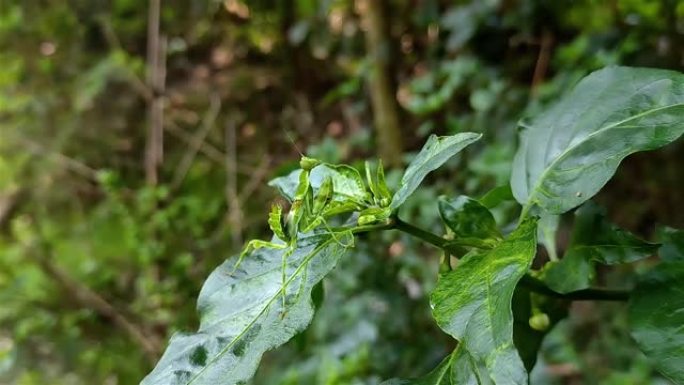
[(417, 232), (533, 284), (537, 286)]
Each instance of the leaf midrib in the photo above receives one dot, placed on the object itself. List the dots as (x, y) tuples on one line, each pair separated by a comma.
[(568, 150), (304, 263)]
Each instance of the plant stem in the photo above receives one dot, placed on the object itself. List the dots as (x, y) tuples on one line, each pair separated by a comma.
[(537, 286), (533, 284), (426, 236)]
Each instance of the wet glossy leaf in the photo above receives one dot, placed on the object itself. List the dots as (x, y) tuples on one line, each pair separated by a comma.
[(470, 221), (594, 239), (435, 153), (242, 315), (569, 152), (473, 304), (656, 311)]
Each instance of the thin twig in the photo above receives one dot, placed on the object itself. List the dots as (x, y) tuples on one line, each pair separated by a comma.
[(232, 199), (134, 80), (88, 298), (196, 141), (65, 161), (256, 178)]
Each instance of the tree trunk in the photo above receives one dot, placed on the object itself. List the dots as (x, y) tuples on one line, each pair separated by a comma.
[(382, 90)]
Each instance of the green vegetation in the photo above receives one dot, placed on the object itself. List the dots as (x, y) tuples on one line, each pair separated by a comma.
[(531, 238)]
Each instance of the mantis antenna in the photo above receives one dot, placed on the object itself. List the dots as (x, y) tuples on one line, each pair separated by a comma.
[(292, 141)]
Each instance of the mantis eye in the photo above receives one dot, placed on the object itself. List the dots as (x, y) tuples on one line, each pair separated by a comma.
[(308, 164)]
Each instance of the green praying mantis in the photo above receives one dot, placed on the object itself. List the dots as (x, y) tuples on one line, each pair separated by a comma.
[(310, 211)]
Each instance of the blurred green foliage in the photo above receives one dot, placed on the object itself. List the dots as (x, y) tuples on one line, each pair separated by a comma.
[(76, 215)]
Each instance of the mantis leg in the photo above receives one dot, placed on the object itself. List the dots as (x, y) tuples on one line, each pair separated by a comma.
[(320, 220), (283, 271), (255, 245)]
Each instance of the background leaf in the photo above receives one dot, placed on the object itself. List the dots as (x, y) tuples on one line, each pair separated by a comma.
[(473, 304), (673, 244), (434, 153), (242, 315), (594, 239), (470, 221), (656, 312), (496, 196), (569, 152), (441, 375)]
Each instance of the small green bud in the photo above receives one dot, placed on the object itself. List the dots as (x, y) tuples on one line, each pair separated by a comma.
[(540, 322)]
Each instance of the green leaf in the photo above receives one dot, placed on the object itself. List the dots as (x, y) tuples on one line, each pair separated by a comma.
[(473, 304), (347, 182), (496, 196), (287, 184), (242, 315), (546, 233), (435, 152), (569, 152), (594, 239), (673, 244), (441, 375), (656, 312), (471, 222)]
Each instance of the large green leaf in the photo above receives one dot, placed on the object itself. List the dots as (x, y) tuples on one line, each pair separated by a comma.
[(243, 314), (470, 221), (436, 151), (657, 318), (473, 304), (569, 152), (594, 239)]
